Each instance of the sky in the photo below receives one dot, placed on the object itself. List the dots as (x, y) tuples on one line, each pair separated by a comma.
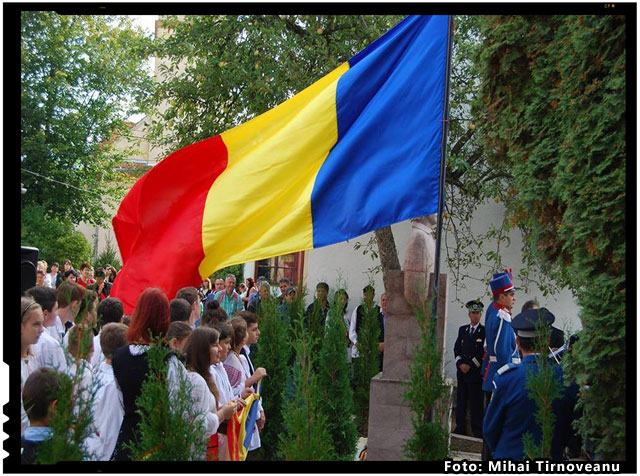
[(147, 22)]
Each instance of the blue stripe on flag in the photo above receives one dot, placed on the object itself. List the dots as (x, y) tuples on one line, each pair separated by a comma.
[(385, 166), (250, 423)]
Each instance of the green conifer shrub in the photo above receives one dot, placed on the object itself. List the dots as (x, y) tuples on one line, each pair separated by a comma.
[(272, 352), (426, 387), (296, 318), (72, 421), (108, 255), (336, 396), (306, 436), (543, 389), (365, 366), (315, 324), (170, 429)]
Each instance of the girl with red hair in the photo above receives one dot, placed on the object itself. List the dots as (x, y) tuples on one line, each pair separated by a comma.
[(150, 320), (150, 317)]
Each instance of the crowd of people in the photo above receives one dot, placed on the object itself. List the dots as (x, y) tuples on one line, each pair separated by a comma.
[(99, 280), (210, 332)]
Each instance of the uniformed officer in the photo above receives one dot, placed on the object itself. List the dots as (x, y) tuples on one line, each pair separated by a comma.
[(468, 353), (500, 340), (512, 412)]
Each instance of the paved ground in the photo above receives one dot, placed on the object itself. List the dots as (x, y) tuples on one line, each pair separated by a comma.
[(461, 455), (465, 447)]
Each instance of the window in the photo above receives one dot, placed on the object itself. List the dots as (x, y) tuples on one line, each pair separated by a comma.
[(285, 266)]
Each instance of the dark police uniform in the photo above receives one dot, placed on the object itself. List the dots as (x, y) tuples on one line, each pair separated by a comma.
[(511, 412), (468, 349)]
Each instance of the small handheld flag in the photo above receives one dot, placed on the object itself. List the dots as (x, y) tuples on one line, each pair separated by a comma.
[(240, 428)]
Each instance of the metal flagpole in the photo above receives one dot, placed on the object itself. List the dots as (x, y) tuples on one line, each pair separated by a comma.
[(443, 168)]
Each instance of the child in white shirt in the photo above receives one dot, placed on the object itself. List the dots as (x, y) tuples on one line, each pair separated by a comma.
[(108, 412)]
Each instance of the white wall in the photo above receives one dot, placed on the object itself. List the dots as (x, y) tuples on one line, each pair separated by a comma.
[(326, 264), (104, 234)]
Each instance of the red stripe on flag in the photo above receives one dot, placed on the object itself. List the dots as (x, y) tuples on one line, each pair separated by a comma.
[(159, 223)]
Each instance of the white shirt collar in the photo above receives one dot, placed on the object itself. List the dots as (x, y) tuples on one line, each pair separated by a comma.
[(138, 349)]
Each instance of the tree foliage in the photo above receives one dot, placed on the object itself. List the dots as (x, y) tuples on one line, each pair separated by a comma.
[(81, 77), (470, 180), (336, 401), (74, 247), (425, 390), (306, 436), (237, 270), (170, 428), (108, 256), (55, 238), (222, 70), (365, 366), (272, 352), (554, 93)]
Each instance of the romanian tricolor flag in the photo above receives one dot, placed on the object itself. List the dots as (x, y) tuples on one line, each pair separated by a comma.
[(356, 151), (241, 427)]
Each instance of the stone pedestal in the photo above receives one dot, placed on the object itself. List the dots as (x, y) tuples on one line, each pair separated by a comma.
[(389, 413)]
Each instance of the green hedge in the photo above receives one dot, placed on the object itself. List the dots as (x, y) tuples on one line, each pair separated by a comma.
[(554, 94)]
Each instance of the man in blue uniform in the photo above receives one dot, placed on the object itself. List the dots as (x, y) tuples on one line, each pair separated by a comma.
[(468, 353), (512, 411), (500, 340)]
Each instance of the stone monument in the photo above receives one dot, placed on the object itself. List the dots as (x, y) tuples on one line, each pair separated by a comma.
[(389, 414)]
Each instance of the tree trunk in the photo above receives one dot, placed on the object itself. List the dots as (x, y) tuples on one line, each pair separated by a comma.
[(387, 252)]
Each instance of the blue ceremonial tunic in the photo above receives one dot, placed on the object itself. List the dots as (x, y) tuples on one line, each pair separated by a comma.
[(501, 343), (511, 412)]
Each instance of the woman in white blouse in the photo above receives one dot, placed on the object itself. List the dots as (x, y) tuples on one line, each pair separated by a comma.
[(201, 351), (232, 363), (32, 325)]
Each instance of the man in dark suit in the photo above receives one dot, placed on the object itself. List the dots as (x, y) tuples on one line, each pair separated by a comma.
[(468, 351)]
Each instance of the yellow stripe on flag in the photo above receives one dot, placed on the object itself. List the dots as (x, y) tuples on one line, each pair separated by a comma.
[(260, 205)]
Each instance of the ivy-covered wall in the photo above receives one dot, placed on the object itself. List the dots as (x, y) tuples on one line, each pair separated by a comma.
[(554, 94)]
